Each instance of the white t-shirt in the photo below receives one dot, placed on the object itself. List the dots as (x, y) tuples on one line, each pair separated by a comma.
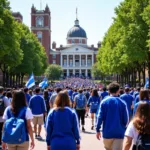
[(28, 116), (131, 132)]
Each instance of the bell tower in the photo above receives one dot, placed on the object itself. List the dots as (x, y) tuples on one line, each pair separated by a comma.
[(41, 27)]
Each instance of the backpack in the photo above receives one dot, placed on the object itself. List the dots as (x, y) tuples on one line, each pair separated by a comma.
[(15, 129), (94, 104), (81, 102), (142, 143), (2, 105)]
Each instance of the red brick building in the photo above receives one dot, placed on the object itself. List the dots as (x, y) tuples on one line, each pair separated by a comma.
[(41, 26)]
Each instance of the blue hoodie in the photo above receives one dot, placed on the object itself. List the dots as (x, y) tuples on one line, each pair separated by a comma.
[(114, 115), (37, 105), (61, 125)]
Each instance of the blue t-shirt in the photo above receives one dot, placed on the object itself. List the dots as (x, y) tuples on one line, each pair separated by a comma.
[(93, 102), (104, 94), (129, 101)]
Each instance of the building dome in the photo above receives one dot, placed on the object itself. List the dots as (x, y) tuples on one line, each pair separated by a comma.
[(76, 31)]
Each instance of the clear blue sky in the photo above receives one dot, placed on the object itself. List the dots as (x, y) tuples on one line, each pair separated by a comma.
[(95, 16)]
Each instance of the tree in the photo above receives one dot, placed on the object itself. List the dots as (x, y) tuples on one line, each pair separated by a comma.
[(53, 72), (96, 72), (11, 54), (124, 48)]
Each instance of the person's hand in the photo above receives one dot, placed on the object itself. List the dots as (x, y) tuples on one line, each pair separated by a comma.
[(32, 145), (48, 147), (98, 135), (78, 146), (4, 146)]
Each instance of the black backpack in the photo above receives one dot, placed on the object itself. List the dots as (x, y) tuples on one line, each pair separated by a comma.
[(143, 142), (2, 105)]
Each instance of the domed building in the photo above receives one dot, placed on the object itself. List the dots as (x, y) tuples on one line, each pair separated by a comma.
[(76, 57)]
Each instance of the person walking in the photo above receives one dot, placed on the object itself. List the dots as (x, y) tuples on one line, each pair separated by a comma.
[(52, 98), (38, 108), (144, 97), (18, 105), (93, 103), (113, 114), (129, 100), (80, 104), (62, 125), (138, 129)]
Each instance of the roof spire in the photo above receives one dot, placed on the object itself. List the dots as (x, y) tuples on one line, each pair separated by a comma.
[(76, 21), (40, 4), (76, 13)]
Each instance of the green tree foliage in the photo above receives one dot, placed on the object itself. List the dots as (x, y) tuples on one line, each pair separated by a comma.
[(10, 51), (96, 72), (53, 72), (20, 51), (125, 45)]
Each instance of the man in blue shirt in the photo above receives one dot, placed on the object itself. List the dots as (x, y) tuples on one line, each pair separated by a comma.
[(113, 114), (104, 93), (129, 100), (38, 108)]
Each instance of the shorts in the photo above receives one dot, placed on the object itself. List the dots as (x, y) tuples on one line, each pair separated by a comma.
[(93, 111), (38, 120)]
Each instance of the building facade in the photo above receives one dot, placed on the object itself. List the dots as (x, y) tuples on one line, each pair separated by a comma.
[(41, 27), (76, 57)]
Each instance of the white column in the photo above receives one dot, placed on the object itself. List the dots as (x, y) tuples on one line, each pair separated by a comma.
[(61, 60), (67, 72), (73, 60), (92, 59), (73, 71), (80, 60), (86, 72), (86, 60), (68, 60)]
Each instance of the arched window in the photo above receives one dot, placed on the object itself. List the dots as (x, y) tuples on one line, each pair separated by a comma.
[(39, 21)]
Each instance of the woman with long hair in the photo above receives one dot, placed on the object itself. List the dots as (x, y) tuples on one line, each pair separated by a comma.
[(144, 97), (62, 125), (17, 105), (139, 125), (93, 103)]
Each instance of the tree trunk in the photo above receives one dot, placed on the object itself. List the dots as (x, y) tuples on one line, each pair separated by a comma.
[(22, 76)]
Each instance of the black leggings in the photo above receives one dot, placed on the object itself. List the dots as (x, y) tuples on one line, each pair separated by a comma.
[(81, 115)]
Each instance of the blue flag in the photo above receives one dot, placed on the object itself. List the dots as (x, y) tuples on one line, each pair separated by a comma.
[(147, 83), (31, 81), (44, 83)]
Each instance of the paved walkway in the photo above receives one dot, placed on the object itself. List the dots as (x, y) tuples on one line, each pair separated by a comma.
[(88, 139)]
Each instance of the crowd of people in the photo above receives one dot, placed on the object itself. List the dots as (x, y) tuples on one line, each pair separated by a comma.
[(121, 114)]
